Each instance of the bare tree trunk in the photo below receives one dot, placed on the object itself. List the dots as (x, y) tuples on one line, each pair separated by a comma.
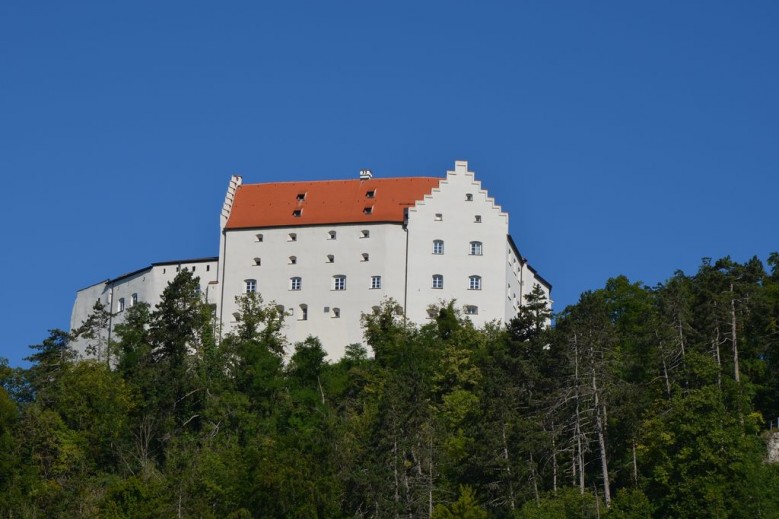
[(601, 443), (667, 382), (508, 468), (533, 479), (736, 372), (717, 356), (635, 464), (395, 470), (578, 428), (554, 461), (430, 480)]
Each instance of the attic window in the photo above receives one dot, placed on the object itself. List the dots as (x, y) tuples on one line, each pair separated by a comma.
[(259, 237), (439, 217), (469, 197), (368, 210), (331, 235), (292, 237), (370, 194), (297, 212), (365, 233), (301, 197), (477, 218)]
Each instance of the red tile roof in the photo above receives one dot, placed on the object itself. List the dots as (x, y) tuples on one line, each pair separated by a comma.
[(325, 202)]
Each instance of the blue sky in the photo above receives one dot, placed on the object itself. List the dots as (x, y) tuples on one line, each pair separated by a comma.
[(622, 137)]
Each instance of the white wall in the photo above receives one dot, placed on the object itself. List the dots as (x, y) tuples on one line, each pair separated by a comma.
[(385, 247), (457, 227)]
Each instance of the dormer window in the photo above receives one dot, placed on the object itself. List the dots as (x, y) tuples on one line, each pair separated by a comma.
[(297, 212), (370, 194), (469, 197), (368, 210), (300, 197)]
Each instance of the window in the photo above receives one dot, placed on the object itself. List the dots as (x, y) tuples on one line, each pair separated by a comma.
[(293, 260), (133, 299), (208, 268), (439, 217), (297, 212), (250, 286), (365, 256), (331, 235), (375, 281), (370, 194), (471, 310), (330, 258), (194, 267), (438, 246), (339, 282), (475, 248), (295, 283), (258, 237), (368, 210), (336, 313), (477, 218), (300, 197), (469, 197), (474, 283), (303, 313), (292, 237), (438, 281), (120, 305), (257, 262), (365, 233)]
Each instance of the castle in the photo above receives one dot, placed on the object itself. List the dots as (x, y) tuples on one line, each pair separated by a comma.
[(327, 251)]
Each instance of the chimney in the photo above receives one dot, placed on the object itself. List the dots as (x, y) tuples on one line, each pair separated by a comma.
[(365, 174)]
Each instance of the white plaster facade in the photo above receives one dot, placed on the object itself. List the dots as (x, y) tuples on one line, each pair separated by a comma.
[(326, 275), (144, 285)]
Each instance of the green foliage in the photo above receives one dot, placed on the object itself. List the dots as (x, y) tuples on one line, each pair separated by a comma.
[(657, 395)]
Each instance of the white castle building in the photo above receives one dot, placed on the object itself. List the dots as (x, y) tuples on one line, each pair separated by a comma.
[(329, 251)]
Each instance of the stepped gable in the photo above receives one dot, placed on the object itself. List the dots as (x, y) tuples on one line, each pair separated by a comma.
[(283, 204)]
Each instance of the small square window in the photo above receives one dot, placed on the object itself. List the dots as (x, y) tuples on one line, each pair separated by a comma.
[(258, 237), (375, 281), (301, 197), (330, 258), (365, 256), (293, 260), (339, 282), (469, 197), (368, 210), (370, 194), (297, 212), (438, 281), (471, 310), (292, 237), (365, 233), (331, 235), (257, 262), (477, 218), (439, 217), (336, 313), (295, 283)]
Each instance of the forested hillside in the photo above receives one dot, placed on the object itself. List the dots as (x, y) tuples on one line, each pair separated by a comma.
[(639, 402)]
